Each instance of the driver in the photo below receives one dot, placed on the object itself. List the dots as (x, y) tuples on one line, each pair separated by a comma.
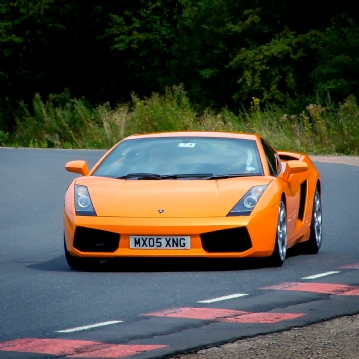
[(150, 160), (241, 160)]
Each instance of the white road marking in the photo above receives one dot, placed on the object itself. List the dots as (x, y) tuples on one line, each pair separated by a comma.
[(86, 327), (321, 275), (226, 297)]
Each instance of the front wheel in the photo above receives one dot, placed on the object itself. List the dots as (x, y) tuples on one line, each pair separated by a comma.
[(80, 263), (314, 243), (280, 248)]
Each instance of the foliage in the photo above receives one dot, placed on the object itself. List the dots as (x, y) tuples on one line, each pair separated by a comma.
[(46, 46), (224, 52), (232, 50), (64, 122), (60, 122), (4, 137), (337, 71), (171, 112), (267, 68), (140, 35)]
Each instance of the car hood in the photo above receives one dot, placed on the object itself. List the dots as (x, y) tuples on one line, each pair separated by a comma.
[(174, 198)]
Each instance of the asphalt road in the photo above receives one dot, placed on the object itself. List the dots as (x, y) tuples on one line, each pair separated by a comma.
[(40, 295)]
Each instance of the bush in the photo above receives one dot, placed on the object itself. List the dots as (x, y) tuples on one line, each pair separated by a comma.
[(64, 122), (337, 68)]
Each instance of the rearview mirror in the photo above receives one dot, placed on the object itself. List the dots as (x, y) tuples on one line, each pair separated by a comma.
[(77, 167), (293, 167)]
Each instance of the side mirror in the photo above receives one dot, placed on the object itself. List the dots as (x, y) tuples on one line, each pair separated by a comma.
[(77, 167), (293, 167)]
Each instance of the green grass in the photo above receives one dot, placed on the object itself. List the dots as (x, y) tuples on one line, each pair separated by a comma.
[(63, 122)]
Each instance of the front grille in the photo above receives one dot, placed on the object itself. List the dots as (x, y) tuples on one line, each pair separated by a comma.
[(95, 240), (227, 240)]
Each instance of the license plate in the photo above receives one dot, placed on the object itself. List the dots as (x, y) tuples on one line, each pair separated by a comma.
[(160, 242)]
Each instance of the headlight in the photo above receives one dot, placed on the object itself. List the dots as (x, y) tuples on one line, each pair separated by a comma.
[(83, 202), (245, 206)]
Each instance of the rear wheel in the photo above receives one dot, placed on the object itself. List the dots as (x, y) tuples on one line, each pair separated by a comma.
[(80, 263), (280, 249), (315, 239)]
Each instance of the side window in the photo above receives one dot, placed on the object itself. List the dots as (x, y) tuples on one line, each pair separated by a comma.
[(273, 162)]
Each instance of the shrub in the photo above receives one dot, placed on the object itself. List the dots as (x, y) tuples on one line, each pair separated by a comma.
[(63, 122)]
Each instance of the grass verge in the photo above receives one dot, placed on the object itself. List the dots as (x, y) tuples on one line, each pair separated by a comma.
[(64, 122)]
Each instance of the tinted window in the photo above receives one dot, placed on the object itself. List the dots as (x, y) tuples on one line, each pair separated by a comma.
[(182, 155), (273, 163)]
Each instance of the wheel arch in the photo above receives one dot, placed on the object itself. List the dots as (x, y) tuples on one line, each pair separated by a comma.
[(319, 186), (283, 198)]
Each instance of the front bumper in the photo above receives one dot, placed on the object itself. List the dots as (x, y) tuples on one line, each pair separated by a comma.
[(260, 227)]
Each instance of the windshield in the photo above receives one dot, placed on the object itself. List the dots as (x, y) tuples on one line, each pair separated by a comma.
[(182, 158)]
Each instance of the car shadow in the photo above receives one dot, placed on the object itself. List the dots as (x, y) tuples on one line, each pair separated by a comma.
[(146, 265), (178, 265), (57, 264)]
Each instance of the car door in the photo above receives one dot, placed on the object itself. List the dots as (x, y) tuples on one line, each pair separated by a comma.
[(292, 192)]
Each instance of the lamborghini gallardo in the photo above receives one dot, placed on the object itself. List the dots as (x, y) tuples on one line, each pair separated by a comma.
[(192, 194)]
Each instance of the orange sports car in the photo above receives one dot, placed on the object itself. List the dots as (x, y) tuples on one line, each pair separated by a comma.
[(192, 194)]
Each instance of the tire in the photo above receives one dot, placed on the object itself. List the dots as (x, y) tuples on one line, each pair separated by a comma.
[(280, 248), (314, 243), (80, 263)]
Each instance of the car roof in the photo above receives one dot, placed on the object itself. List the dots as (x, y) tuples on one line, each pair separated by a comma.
[(209, 134)]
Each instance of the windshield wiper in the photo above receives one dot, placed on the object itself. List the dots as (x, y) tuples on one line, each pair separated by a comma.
[(204, 176), (155, 176), (231, 175), (141, 176), (208, 176), (187, 176)]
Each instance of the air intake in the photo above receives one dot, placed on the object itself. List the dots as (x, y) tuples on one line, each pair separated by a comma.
[(95, 240), (227, 240)]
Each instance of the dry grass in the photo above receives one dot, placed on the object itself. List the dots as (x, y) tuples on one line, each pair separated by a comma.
[(64, 122)]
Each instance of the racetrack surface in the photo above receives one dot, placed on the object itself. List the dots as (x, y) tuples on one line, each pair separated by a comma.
[(158, 305)]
